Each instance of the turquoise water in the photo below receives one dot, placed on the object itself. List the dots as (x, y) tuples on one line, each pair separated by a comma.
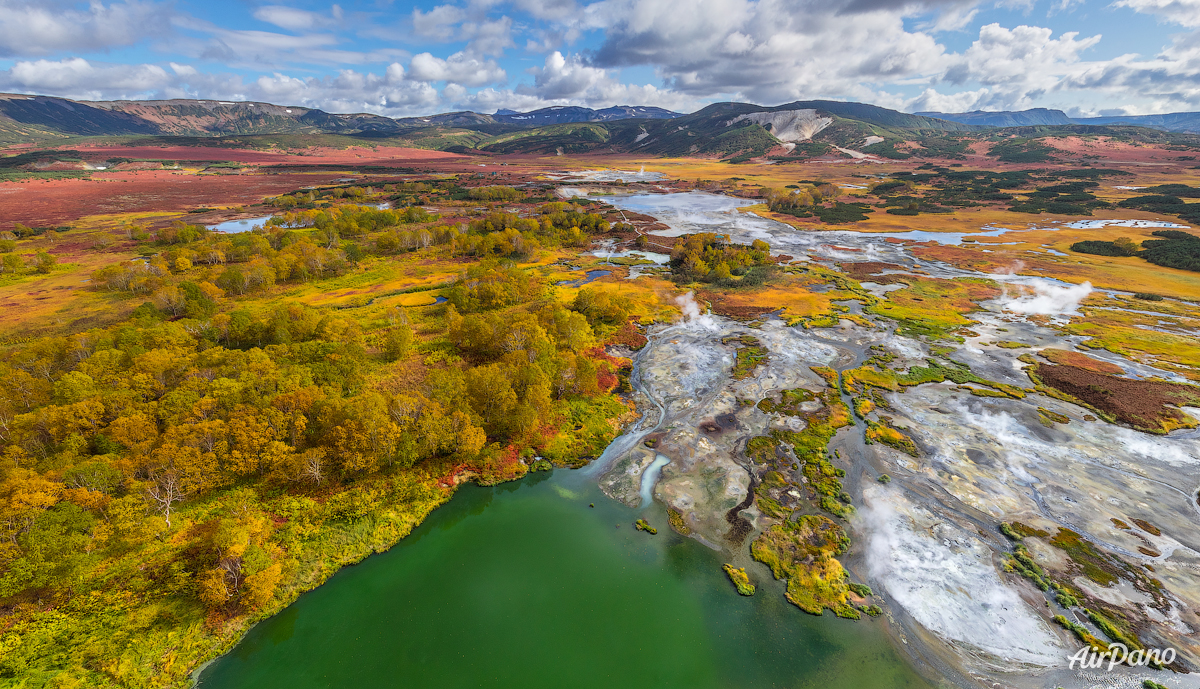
[(524, 585)]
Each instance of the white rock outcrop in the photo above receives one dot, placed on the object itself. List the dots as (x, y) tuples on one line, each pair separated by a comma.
[(788, 125)]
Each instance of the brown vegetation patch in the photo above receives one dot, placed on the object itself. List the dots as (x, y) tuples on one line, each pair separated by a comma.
[(628, 336), (955, 256), (1110, 150), (1147, 527), (722, 306), (52, 203), (872, 271), (1066, 357), (1147, 405), (378, 155)]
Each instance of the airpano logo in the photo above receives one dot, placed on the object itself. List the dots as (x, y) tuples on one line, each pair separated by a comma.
[(1118, 654)]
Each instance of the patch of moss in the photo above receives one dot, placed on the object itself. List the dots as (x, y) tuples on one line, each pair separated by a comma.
[(863, 406), (1082, 633), (750, 355), (675, 519), (643, 525), (1095, 565), (740, 579), (861, 589), (881, 433), (983, 392), (1049, 418), (770, 506), (1017, 531), (809, 446), (827, 373), (789, 403), (761, 449), (804, 553), (1021, 562), (1112, 631)]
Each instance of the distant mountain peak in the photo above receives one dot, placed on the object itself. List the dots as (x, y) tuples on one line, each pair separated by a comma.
[(562, 114), (1004, 118)]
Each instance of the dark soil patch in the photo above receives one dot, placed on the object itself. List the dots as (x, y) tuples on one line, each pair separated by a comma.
[(741, 526)]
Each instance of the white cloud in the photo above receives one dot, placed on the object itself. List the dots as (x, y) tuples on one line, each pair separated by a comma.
[(953, 19), (768, 51), (484, 35), (390, 93), (82, 79), (30, 28), (764, 51), (933, 100), (439, 23), (294, 19), (556, 10), (1185, 12), (563, 80), (269, 50), (459, 68), (1017, 65), (350, 91), (489, 37)]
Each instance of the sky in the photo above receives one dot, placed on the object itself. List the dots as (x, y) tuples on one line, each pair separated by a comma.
[(1085, 57)]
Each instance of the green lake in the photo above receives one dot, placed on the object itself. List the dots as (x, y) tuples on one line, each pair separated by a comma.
[(523, 585)]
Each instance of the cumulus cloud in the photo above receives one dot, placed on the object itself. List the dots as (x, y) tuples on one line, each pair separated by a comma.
[(1018, 65), (82, 79), (769, 50), (439, 23), (484, 35), (349, 91), (459, 68), (887, 52), (391, 93), (557, 10), (38, 28), (564, 80)]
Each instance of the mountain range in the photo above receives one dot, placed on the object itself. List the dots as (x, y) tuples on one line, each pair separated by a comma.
[(1171, 122), (801, 128)]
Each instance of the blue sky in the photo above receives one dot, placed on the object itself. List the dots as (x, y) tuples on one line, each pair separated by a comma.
[(396, 58)]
